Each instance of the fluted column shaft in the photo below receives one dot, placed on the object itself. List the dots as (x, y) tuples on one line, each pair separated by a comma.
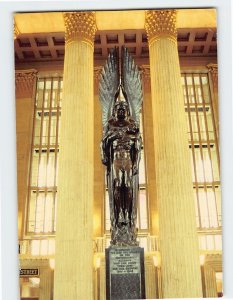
[(213, 70), (74, 257), (150, 278), (102, 279), (177, 228), (149, 150), (46, 284), (25, 83), (99, 187), (210, 282)]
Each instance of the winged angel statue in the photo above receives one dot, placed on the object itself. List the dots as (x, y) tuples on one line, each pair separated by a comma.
[(121, 101)]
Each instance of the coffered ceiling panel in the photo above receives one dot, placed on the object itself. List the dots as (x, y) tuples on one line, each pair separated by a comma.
[(51, 46)]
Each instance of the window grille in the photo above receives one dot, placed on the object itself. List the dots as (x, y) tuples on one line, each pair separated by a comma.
[(42, 198), (204, 150)]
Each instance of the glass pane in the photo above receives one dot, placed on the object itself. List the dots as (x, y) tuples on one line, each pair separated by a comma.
[(40, 211), (207, 165), (107, 212), (50, 170), (212, 208), (143, 242), (194, 126), (218, 242), (205, 88), (35, 247), (31, 213), (34, 167), (47, 93), (143, 210), (210, 125), (57, 167), (210, 242), (53, 128), (48, 217), (51, 247), (199, 165), (203, 209), (218, 203), (202, 126), (42, 170), (214, 161), (142, 179), (55, 212), (198, 93), (44, 247), (37, 127), (202, 242), (40, 93)]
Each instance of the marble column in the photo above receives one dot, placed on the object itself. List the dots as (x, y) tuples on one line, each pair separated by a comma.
[(180, 268), (210, 282), (25, 83), (99, 186), (74, 253), (149, 150), (213, 71), (102, 279), (46, 283), (150, 277)]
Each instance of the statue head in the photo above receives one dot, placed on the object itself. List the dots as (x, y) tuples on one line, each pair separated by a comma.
[(121, 110)]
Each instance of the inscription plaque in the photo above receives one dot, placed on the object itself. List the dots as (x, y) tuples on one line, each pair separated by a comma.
[(125, 273), (29, 272)]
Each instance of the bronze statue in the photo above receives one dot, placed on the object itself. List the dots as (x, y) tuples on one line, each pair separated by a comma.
[(121, 143)]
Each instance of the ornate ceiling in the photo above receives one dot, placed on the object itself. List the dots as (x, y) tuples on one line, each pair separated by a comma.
[(51, 46)]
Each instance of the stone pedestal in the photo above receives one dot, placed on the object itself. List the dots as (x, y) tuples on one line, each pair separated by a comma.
[(125, 276)]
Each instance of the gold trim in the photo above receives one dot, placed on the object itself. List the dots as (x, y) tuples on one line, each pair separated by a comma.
[(16, 31), (159, 37), (80, 26), (213, 70), (24, 82), (161, 24), (97, 73), (145, 71)]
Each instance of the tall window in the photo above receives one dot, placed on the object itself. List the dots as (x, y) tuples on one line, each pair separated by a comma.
[(42, 198), (204, 154), (204, 157)]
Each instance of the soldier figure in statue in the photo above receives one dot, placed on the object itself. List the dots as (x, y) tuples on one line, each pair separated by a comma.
[(121, 143)]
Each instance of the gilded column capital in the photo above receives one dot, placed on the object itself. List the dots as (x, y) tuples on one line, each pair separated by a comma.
[(97, 73), (16, 31), (145, 71), (80, 26), (25, 83), (161, 23), (213, 70)]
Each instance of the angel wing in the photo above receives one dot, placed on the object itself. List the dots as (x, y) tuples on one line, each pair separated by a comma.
[(131, 84), (109, 85)]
